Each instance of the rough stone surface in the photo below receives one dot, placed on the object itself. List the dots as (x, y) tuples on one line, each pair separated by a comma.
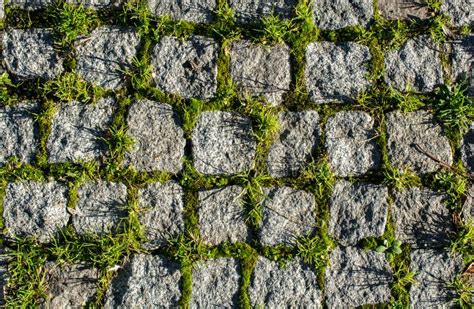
[(416, 65), (336, 72), (355, 278), (187, 68), (71, 285), (161, 213), (98, 4), (254, 10), (223, 143), (358, 211), (333, 15), (463, 61), (221, 216), (100, 207), (350, 143), (158, 138), (461, 12), (29, 54), (3, 275), (403, 9), (103, 57), (413, 138), (261, 70), (467, 150), (35, 209), (287, 214), (294, 286), (200, 11), (146, 282), (434, 272), (19, 135), (467, 211), (77, 129), (421, 218), (215, 284), (295, 143)]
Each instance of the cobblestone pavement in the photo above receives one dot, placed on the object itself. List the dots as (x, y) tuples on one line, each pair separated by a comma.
[(237, 153)]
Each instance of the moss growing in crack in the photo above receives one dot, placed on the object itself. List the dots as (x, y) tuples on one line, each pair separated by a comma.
[(462, 286), (6, 95), (397, 179), (463, 242)]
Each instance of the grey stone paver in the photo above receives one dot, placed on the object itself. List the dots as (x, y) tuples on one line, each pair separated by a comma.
[(463, 60), (261, 70), (98, 4), (70, 285), (416, 65), (255, 10), (356, 278), (357, 211), (158, 137), (434, 272), (29, 54), (460, 11), (403, 9), (414, 139), (295, 143), (467, 149), (287, 214), (105, 55), (161, 212), (30, 4), (200, 11), (350, 142), (336, 71), (223, 143), (221, 215), (421, 218), (293, 286), (77, 131), (467, 211), (333, 15), (146, 281), (215, 284), (100, 207), (35, 209), (19, 136), (187, 68)]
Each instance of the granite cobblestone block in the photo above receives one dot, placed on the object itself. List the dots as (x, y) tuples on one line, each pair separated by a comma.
[(222, 143), (19, 137), (158, 137), (35, 209), (255, 10), (261, 70), (199, 11), (460, 11), (416, 141), (403, 9), (187, 68), (78, 131), (298, 138), (336, 71), (467, 149), (287, 214), (161, 212), (216, 283), (29, 54), (351, 145), (222, 216), (105, 55), (334, 15), (100, 207)]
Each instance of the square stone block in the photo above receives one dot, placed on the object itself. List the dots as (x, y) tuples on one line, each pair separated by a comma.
[(351, 145), (357, 211), (223, 143), (161, 212), (187, 68), (78, 129), (29, 54), (334, 15), (158, 138), (221, 216), (100, 207), (336, 71), (287, 214), (35, 209), (105, 55), (199, 11), (414, 139)]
